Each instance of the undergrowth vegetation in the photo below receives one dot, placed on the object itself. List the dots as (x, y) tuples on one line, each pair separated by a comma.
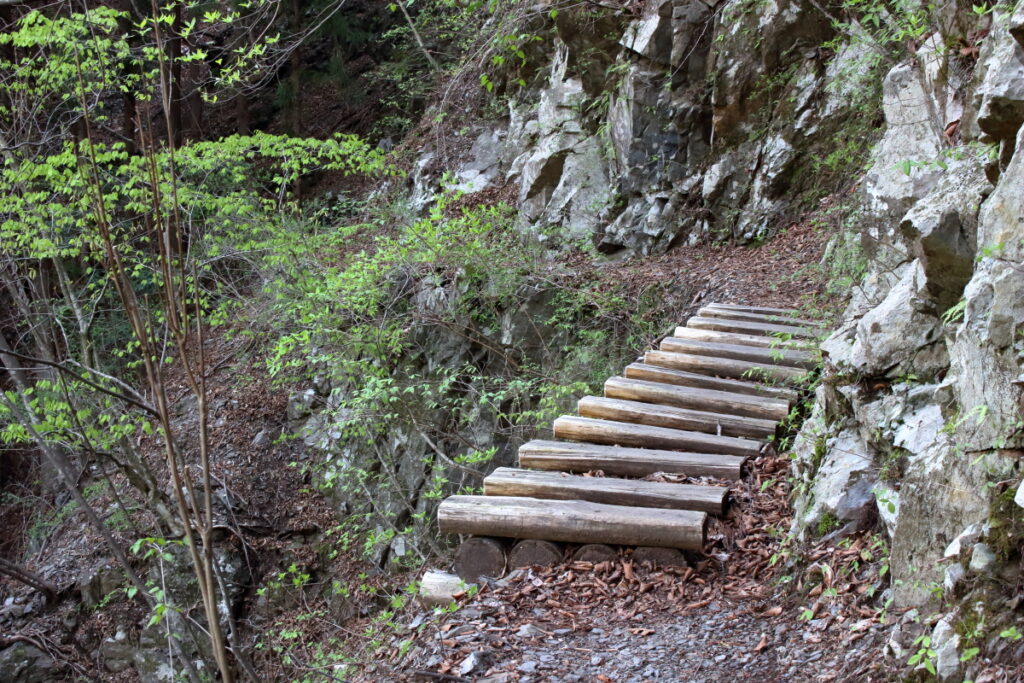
[(453, 330)]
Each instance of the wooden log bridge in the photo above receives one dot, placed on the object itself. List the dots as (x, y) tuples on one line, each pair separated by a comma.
[(709, 397)]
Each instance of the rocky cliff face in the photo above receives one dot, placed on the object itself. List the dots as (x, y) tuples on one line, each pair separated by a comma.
[(918, 418), (684, 121)]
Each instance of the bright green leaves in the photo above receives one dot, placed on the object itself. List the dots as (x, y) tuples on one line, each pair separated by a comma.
[(64, 65), (925, 656), (67, 201)]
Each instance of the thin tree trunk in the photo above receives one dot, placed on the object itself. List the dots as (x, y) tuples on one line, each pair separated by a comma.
[(295, 77), (416, 35), (174, 54), (195, 102), (242, 118), (128, 105), (83, 322)]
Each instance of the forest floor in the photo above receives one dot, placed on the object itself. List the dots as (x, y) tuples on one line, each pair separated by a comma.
[(786, 271)]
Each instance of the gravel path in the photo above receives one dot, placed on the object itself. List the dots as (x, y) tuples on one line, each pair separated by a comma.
[(723, 640)]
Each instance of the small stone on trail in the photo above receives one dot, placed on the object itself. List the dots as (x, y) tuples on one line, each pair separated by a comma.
[(530, 631), (527, 667), (474, 661)]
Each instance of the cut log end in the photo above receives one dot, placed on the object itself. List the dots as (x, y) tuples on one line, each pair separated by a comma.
[(481, 557), (595, 553), (535, 553)]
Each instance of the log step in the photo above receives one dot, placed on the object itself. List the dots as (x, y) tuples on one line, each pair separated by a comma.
[(572, 521), (767, 310), (775, 319), (708, 400), (745, 327), (606, 432), (765, 356), (560, 456), (506, 481), (699, 406), (674, 418), (724, 367), (759, 340), (654, 373)]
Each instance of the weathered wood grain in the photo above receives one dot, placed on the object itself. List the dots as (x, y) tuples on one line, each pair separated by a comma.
[(745, 327), (535, 553), (507, 481), (572, 521), (610, 433), (626, 462), (480, 556), (725, 367), (765, 356), (759, 340), (619, 410), (654, 373), (708, 400), (773, 318)]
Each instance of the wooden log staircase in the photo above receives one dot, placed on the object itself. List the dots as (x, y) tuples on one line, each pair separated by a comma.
[(710, 397)]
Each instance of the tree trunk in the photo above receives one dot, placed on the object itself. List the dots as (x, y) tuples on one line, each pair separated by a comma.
[(766, 356), (606, 432), (128, 105), (242, 119), (653, 373), (195, 102), (674, 418), (478, 557), (535, 553), (174, 54), (723, 367), (743, 327), (724, 403), (506, 481), (626, 462), (295, 78)]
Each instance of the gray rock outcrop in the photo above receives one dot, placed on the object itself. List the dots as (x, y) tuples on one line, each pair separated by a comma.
[(675, 130), (927, 365)]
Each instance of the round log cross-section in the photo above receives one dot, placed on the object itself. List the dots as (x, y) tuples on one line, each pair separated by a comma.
[(480, 556), (595, 553), (533, 552)]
